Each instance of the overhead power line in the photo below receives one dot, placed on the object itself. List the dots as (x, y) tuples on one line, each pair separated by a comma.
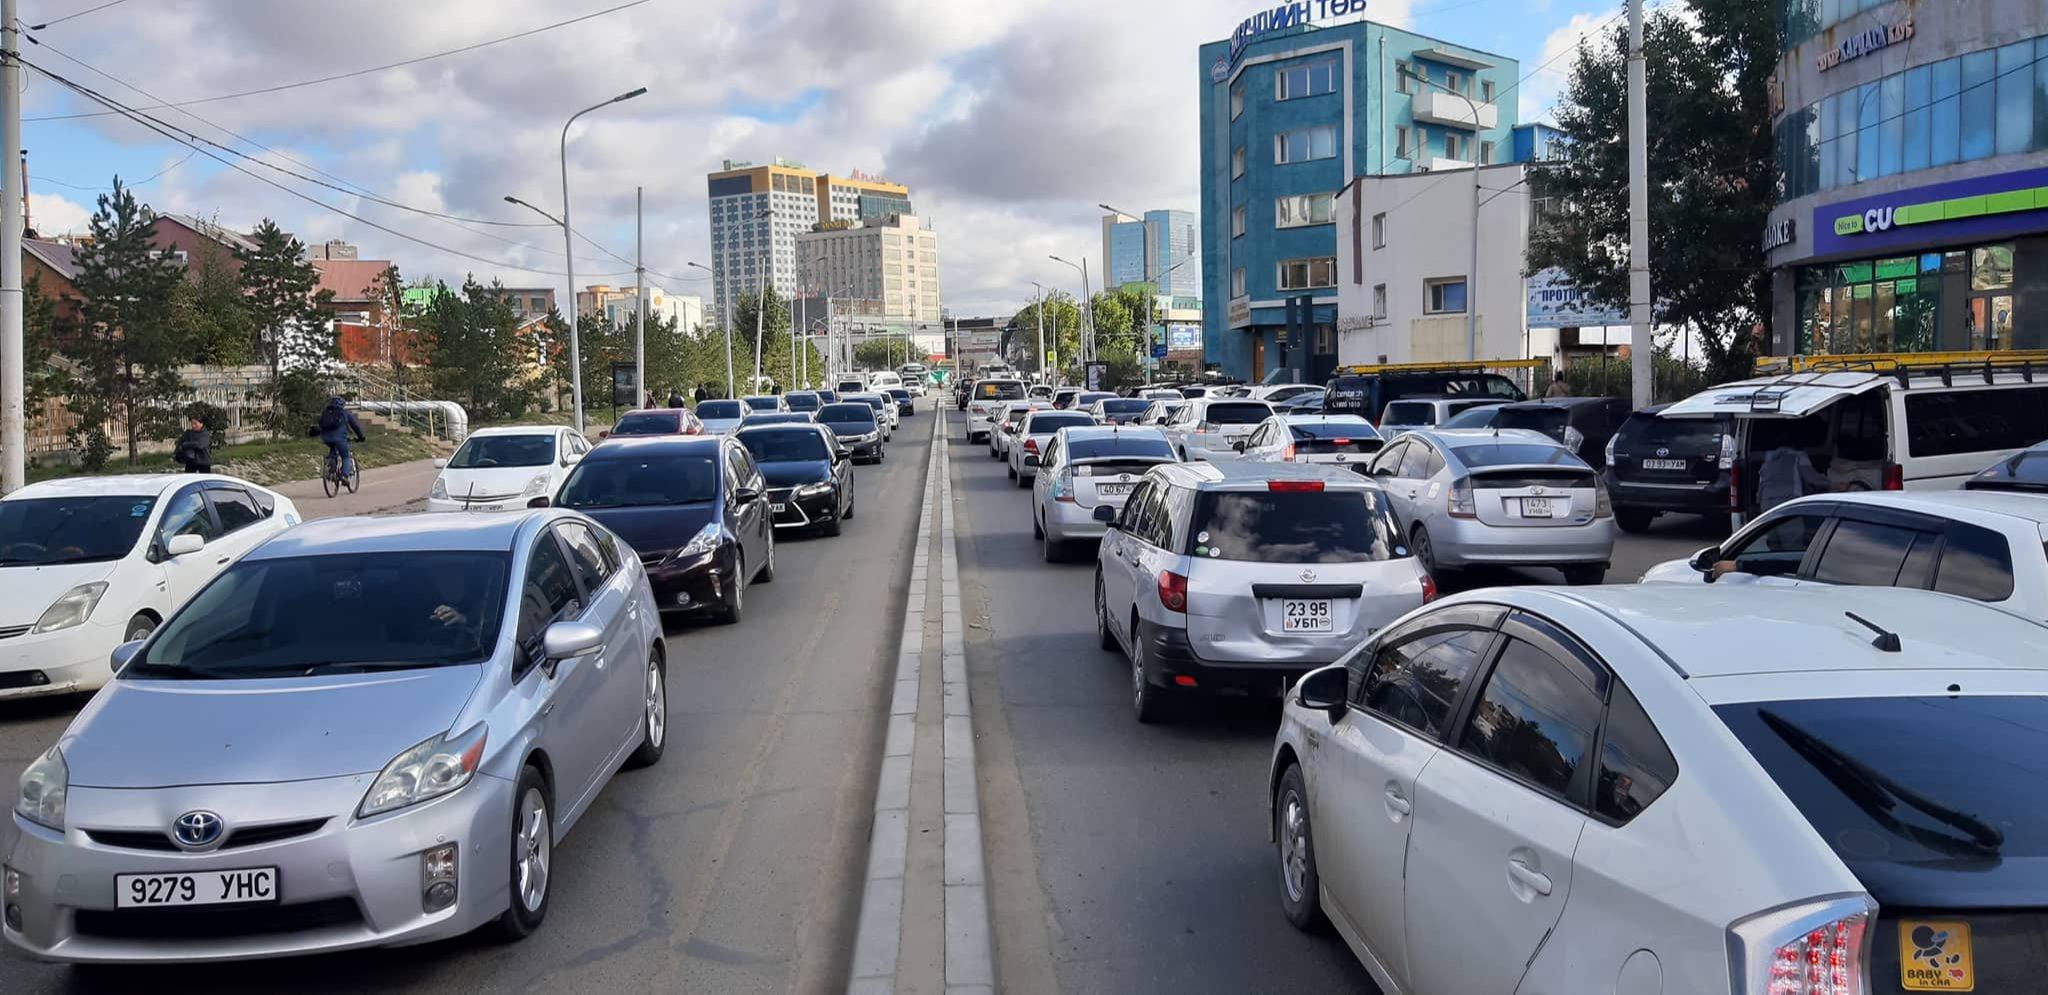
[(82, 13)]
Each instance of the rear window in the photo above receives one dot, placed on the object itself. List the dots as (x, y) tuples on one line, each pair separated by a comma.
[(844, 414), (652, 423), (1487, 454), (718, 409), (1975, 421), (1409, 413), (1293, 527), (1119, 445), (1916, 794), (1124, 406), (1237, 414), (1547, 420), (1094, 396), (2027, 471), (999, 390), (761, 404), (1683, 436), (1332, 430), (1042, 423)]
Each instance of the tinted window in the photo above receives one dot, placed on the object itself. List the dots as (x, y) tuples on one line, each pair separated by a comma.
[(1976, 563), (1334, 428), (651, 423), (1514, 454), (2025, 471), (1683, 436), (1415, 462), (641, 482), (1417, 683), (1476, 417), (72, 529), (1865, 553), (1778, 550), (1550, 421), (503, 450), (779, 418), (1044, 422), (378, 611), (801, 401), (1244, 413), (999, 390), (1402, 413), (584, 555), (1975, 421), (1124, 406), (1536, 716), (784, 446), (1635, 765), (1093, 396), (1117, 445), (1293, 526), (760, 404), (858, 416), (1388, 462), (234, 508), (1433, 465), (547, 595)]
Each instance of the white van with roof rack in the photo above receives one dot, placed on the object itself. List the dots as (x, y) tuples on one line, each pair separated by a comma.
[(1881, 423)]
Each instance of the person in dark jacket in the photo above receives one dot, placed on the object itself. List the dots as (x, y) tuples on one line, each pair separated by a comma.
[(702, 394), (675, 400), (337, 423), (195, 448)]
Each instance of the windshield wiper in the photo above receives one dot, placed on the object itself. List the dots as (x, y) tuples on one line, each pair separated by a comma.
[(1873, 791)]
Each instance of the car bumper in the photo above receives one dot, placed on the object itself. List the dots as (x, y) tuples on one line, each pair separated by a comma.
[(804, 512), (61, 662), (1710, 498), (696, 583), (1069, 522), (865, 450), (978, 427), (1468, 542), (348, 884), (1170, 657)]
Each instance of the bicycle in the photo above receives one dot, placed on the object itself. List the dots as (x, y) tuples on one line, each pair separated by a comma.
[(333, 480)]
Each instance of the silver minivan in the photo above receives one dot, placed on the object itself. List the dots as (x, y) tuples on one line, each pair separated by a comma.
[(1238, 578)]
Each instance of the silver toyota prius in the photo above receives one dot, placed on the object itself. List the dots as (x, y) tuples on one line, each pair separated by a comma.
[(366, 732)]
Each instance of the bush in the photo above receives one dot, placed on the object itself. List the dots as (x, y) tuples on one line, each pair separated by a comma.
[(297, 402), (214, 417)]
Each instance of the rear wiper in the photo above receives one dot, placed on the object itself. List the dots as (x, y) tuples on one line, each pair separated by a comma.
[(1874, 792)]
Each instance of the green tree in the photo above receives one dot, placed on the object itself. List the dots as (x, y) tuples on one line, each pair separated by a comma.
[(1062, 334), (278, 286), (40, 334), (212, 317), (475, 353), (126, 345), (388, 291), (1710, 167), (885, 352)]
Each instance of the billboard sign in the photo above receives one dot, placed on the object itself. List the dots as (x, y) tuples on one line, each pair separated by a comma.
[(1556, 302)]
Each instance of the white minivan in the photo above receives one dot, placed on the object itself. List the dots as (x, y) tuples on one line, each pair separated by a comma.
[(882, 380)]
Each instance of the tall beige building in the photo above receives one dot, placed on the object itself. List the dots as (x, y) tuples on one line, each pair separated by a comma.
[(758, 211), (893, 260)]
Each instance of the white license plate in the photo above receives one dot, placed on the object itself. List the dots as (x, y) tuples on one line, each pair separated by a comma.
[(1305, 615), (250, 885), (1536, 508), (780, 508), (1664, 464), (1114, 490)]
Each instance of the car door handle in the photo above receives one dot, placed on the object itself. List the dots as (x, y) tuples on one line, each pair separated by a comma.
[(1397, 806), (1529, 877), (222, 561)]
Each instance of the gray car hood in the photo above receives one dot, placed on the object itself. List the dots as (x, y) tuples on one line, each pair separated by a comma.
[(152, 734)]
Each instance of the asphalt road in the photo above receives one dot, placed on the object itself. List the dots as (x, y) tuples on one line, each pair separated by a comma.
[(732, 866), (1132, 858)]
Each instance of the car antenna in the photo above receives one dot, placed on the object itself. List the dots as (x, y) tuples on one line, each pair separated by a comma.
[(1886, 641)]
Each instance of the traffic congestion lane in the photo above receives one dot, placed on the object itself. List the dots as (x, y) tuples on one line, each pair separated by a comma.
[(733, 865), (1149, 842)]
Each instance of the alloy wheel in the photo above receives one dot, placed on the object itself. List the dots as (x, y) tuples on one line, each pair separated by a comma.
[(1293, 833), (534, 846), (657, 705)]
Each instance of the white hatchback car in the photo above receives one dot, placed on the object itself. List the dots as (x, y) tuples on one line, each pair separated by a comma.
[(501, 469), (1033, 434), (1208, 428), (1658, 788), (89, 563)]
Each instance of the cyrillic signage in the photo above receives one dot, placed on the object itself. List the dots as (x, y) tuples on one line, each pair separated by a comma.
[(1863, 43), (1286, 15), (1556, 302)]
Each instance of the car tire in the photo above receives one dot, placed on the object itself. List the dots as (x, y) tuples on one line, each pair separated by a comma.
[(1584, 574), (1425, 551), (532, 853), (766, 575), (1103, 637), (1053, 550), (139, 627), (1632, 520), (1023, 481), (833, 528), (1149, 703), (653, 716), (1037, 530), (1012, 471), (1294, 847), (735, 599)]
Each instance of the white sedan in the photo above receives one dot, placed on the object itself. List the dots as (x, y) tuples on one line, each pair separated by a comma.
[(89, 563), (502, 469), (1343, 439)]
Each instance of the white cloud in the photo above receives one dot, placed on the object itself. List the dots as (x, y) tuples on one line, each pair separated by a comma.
[(1540, 90), (54, 214)]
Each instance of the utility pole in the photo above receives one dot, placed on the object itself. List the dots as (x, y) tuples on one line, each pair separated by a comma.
[(802, 307), (1042, 378), (639, 302), (13, 430), (1641, 350)]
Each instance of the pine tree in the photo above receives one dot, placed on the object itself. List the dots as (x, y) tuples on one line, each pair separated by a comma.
[(126, 345), (278, 284)]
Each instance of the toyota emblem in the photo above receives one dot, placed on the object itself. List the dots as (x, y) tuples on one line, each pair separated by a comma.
[(1664, 450), (1123, 478), (1308, 576), (198, 830), (1536, 490)]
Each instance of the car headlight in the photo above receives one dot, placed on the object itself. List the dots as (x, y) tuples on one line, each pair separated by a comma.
[(43, 787), (440, 491), (536, 487), (429, 770), (73, 608), (703, 542), (819, 489)]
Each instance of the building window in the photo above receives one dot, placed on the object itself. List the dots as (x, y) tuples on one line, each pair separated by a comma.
[(1486, 153), (1236, 100), (1307, 144), (1379, 230), (1486, 91), (1237, 162), (1401, 71), (1311, 80), (1379, 301), (1401, 141), (1237, 223), (1308, 274), (1237, 282), (1301, 210), (1457, 147), (1458, 83), (1444, 296)]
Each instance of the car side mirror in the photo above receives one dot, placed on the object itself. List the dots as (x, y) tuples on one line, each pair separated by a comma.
[(440, 464), (1704, 560), (1324, 690), (1238, 445), (183, 544), (604, 433), (564, 640), (745, 495), (539, 502), (572, 459), (1106, 515), (841, 455), (124, 653)]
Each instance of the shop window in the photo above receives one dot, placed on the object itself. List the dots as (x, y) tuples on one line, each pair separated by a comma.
[(1991, 267)]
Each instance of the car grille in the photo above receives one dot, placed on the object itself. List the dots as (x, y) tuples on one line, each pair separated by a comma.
[(150, 839), (215, 922), (13, 630), (790, 513)]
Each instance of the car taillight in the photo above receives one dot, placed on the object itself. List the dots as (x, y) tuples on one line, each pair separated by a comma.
[(1063, 486), (1735, 488), (1173, 591), (1203, 428), (1611, 440), (1031, 446), (1894, 477), (1819, 948), (1603, 506), (1293, 486), (1727, 450), (1287, 454), (1461, 503), (1428, 589)]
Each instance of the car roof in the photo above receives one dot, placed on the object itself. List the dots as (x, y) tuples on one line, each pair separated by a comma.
[(516, 430), (637, 446), (396, 533), (1318, 418), (1083, 432), (114, 485), (1948, 504), (780, 426), (1803, 629), (1456, 438), (1210, 476)]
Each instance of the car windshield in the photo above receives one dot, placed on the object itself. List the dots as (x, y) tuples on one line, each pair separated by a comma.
[(377, 611), (760, 404), (1550, 421), (36, 531), (1333, 526), (778, 418), (485, 451), (1484, 454), (1048, 422), (1100, 447), (716, 409), (786, 445), (999, 390), (1237, 414), (652, 423), (1480, 416), (858, 417), (639, 482), (1090, 398), (1124, 406)]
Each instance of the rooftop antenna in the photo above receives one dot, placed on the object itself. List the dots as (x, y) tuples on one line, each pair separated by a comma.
[(1886, 641)]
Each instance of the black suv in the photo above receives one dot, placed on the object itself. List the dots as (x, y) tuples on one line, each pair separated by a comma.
[(1367, 394), (1657, 465)]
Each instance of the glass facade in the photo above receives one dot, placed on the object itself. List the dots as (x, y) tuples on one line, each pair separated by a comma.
[(1974, 106), (1953, 300), (1799, 20)]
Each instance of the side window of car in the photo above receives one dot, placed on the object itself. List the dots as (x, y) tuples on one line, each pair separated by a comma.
[(1388, 463), (1417, 681), (1052, 451), (1536, 718), (1415, 463), (1433, 465), (1176, 506), (609, 545), (233, 507), (585, 556), (1976, 563), (186, 514), (1635, 764), (547, 594), (1870, 554), (1777, 550), (1132, 518)]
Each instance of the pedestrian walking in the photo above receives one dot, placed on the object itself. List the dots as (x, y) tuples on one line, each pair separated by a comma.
[(195, 448), (675, 400), (1558, 388), (702, 394)]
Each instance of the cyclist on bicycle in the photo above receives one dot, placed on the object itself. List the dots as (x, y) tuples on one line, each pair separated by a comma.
[(337, 423)]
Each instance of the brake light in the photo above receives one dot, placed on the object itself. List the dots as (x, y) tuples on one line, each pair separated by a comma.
[(1063, 486), (1603, 506), (1816, 949), (1727, 450), (1293, 486), (1031, 446), (1735, 488), (1173, 591), (1202, 428), (1894, 477), (1428, 589), (1460, 503), (1287, 454)]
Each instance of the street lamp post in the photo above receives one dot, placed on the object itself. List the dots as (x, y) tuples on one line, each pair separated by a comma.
[(1087, 309), (1044, 375), (761, 304), (1472, 272)]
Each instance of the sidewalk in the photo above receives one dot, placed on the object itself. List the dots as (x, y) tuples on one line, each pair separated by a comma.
[(400, 487)]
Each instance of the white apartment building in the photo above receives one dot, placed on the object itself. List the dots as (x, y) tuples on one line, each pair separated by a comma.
[(893, 260), (619, 304)]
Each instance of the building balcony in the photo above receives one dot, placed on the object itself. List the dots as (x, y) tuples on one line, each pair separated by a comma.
[(1437, 163), (1433, 106)]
